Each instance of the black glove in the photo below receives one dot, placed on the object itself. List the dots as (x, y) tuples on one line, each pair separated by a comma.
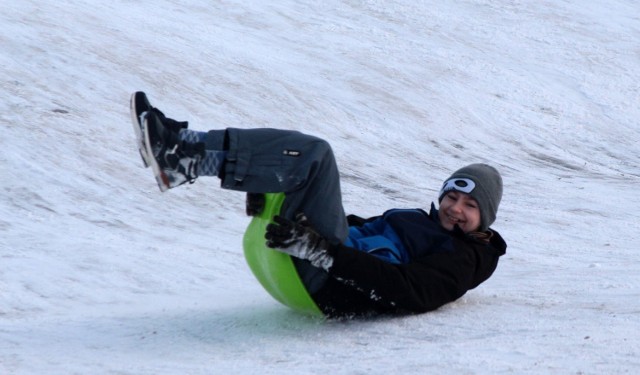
[(298, 239), (255, 204)]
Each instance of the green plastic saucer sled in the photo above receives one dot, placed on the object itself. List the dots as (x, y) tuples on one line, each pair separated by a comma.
[(273, 269)]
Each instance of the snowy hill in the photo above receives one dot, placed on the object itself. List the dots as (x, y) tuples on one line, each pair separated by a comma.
[(102, 274)]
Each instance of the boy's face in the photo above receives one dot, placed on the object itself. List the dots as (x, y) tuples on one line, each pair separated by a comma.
[(459, 208)]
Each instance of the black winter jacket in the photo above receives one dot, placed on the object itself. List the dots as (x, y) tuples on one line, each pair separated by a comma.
[(443, 267)]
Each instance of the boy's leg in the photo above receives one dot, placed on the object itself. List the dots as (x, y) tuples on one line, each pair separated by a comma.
[(249, 160), (300, 165)]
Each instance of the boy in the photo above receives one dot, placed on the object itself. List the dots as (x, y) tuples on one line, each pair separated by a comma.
[(403, 261)]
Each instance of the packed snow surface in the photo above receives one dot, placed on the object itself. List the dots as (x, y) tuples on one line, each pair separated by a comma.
[(100, 273)]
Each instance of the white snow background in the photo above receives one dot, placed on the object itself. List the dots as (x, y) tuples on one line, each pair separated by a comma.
[(100, 273)]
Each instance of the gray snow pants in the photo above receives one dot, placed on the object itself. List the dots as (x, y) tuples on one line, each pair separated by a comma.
[(300, 165)]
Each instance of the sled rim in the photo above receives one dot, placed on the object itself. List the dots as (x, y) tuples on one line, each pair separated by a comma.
[(275, 270)]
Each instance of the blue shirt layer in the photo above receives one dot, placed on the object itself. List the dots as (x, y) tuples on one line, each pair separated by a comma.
[(400, 235)]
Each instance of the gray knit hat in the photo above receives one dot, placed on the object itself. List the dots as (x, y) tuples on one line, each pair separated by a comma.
[(483, 183)]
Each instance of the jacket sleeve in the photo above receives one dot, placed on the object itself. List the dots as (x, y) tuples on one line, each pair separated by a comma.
[(419, 286)]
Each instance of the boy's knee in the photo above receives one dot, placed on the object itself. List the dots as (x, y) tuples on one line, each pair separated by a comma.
[(322, 147)]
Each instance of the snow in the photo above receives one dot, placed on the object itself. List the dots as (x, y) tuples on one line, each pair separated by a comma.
[(103, 274)]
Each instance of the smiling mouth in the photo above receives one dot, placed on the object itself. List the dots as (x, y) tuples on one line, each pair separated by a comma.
[(454, 220)]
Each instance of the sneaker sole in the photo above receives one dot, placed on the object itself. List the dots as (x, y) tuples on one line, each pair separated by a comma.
[(161, 177), (139, 104)]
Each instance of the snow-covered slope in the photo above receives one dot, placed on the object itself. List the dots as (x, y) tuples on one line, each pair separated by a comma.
[(100, 273)]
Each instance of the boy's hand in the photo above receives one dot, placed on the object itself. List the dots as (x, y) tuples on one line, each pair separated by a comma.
[(298, 239)]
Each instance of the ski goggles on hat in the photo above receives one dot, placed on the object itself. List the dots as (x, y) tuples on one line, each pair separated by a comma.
[(463, 185)]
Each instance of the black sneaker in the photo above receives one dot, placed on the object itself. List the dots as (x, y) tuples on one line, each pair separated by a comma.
[(139, 105), (174, 162)]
